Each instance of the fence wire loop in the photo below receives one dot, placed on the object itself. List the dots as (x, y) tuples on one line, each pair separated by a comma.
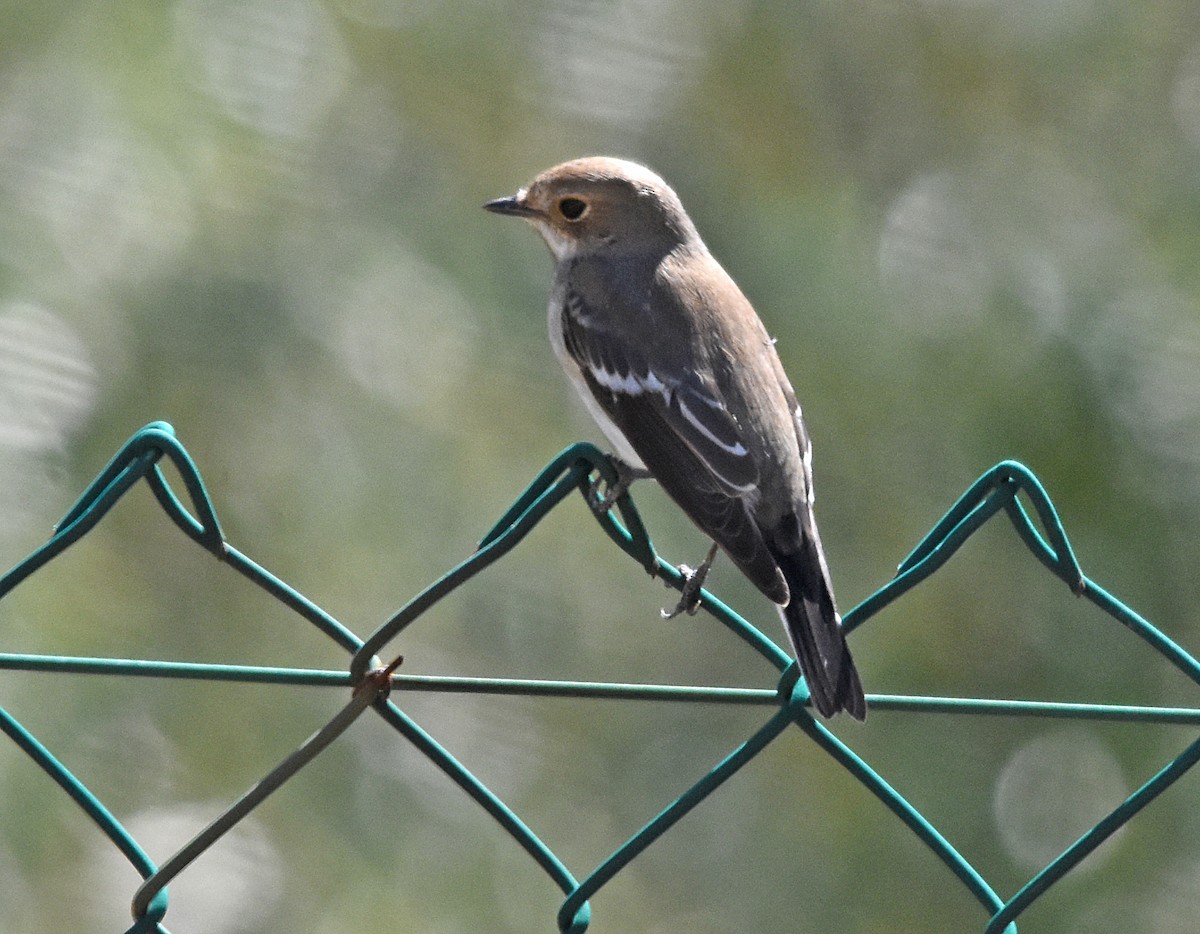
[(793, 692), (584, 468)]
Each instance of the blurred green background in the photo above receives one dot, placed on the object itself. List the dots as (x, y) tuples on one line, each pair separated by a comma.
[(973, 227)]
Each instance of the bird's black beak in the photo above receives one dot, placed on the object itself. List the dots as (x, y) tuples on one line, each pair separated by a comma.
[(513, 206)]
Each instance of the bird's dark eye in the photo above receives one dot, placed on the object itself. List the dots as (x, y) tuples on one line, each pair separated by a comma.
[(572, 208)]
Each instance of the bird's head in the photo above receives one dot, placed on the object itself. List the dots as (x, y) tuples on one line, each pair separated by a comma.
[(599, 203)]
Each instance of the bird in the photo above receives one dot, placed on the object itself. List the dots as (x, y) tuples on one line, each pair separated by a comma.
[(676, 367)]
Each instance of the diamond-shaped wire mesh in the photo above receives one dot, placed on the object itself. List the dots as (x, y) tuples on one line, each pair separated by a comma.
[(374, 685)]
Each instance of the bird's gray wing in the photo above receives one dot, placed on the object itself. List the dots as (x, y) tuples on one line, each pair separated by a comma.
[(615, 366), (683, 433)]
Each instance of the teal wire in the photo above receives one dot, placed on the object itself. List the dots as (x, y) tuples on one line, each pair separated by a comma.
[(491, 803), (1085, 845), (89, 804), (925, 831), (581, 467), (671, 815), (590, 690), (496, 547)]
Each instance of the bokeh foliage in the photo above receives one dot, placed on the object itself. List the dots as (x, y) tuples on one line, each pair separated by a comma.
[(972, 227)]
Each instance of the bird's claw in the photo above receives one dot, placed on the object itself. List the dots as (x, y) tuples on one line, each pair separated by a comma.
[(693, 582), (601, 503)]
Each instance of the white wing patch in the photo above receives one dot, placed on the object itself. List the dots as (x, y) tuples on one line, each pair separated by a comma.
[(628, 383), (737, 449)]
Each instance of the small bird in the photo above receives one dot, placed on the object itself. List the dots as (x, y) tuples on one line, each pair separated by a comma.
[(680, 374)]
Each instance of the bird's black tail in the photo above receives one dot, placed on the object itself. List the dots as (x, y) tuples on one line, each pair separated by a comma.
[(815, 631)]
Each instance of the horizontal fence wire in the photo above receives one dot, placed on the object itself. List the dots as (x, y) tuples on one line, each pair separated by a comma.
[(375, 685)]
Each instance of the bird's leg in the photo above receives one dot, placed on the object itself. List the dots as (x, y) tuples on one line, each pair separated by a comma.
[(693, 580), (626, 474)]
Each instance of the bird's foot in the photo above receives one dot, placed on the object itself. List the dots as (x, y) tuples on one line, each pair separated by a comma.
[(603, 501), (693, 581)]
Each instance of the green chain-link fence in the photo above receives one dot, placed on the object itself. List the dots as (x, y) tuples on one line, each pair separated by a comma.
[(374, 684)]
